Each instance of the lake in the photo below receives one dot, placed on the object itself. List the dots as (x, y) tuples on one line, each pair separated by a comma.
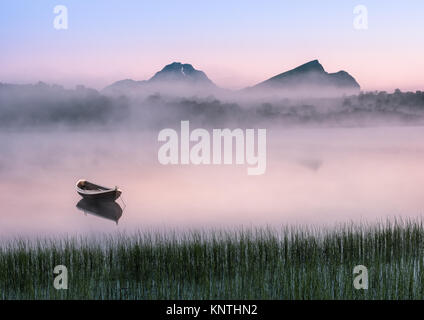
[(314, 176)]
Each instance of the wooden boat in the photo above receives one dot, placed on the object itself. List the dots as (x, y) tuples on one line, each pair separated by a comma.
[(91, 191), (106, 209)]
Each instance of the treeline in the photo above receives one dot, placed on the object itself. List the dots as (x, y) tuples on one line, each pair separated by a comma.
[(364, 108), (383, 101), (42, 104)]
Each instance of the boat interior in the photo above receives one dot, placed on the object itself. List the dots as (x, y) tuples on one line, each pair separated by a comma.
[(85, 185)]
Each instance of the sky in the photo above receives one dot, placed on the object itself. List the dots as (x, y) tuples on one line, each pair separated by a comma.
[(236, 43)]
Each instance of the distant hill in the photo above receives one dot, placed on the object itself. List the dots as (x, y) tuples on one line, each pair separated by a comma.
[(125, 84), (309, 76)]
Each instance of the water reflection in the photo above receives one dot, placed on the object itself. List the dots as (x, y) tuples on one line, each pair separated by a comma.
[(313, 176), (106, 209)]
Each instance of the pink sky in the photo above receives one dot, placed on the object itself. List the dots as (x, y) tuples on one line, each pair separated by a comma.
[(237, 44)]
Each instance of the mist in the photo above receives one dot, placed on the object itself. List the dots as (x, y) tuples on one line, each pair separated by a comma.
[(318, 176), (330, 159), (48, 106)]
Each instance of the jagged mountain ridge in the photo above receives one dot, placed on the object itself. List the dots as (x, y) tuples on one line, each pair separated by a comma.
[(177, 71), (310, 74)]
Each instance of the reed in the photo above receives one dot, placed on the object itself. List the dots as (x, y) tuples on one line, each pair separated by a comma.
[(261, 263)]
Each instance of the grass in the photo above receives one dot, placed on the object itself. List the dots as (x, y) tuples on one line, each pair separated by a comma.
[(291, 263)]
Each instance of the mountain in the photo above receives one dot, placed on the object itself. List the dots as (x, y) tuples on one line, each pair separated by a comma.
[(183, 79), (174, 76), (308, 76), (178, 72)]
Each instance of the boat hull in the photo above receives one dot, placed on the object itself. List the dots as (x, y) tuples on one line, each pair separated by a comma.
[(94, 192), (111, 195)]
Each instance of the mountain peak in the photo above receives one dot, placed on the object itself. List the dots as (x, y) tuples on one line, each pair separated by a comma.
[(181, 72), (310, 66), (172, 76), (308, 75), (178, 67)]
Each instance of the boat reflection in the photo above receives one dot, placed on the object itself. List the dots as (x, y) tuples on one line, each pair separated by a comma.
[(106, 209)]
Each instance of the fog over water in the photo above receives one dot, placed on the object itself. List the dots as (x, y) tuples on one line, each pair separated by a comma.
[(315, 175), (329, 160)]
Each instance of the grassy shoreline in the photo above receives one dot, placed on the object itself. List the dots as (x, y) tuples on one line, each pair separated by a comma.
[(289, 263)]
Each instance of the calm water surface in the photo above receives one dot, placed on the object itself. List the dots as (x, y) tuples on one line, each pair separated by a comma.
[(313, 176)]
